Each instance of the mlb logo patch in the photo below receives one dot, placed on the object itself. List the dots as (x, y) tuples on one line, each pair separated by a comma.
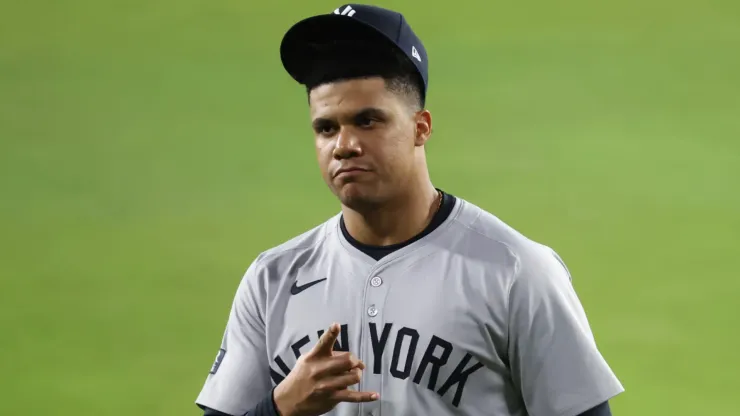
[(217, 363)]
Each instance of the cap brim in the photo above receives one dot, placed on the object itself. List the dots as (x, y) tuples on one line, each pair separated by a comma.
[(308, 40)]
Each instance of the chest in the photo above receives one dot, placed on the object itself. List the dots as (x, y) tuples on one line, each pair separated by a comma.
[(432, 326)]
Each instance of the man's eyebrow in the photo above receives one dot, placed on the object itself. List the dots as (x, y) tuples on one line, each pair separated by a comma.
[(370, 111), (364, 112), (321, 120)]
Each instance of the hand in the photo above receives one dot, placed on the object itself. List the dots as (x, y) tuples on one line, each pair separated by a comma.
[(319, 380)]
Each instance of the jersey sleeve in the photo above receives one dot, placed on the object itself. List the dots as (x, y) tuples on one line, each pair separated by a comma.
[(239, 378), (553, 356)]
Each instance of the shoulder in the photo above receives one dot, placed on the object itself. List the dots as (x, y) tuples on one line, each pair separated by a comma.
[(310, 240), (538, 277), (299, 250), (275, 264), (484, 231), (477, 224)]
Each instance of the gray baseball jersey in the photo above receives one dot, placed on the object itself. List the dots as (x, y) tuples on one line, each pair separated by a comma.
[(473, 319)]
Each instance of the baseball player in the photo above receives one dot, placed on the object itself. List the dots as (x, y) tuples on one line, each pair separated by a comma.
[(410, 301)]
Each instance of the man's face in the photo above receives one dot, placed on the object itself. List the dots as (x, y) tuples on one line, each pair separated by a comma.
[(367, 138)]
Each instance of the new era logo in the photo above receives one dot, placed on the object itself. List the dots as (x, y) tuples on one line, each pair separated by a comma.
[(348, 11), (415, 53)]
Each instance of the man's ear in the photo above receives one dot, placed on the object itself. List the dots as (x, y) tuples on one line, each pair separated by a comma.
[(423, 121)]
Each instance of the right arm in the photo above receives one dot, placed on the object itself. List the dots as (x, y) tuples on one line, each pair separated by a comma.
[(239, 380), (264, 408)]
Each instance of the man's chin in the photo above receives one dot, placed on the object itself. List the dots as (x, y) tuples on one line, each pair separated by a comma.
[(358, 196)]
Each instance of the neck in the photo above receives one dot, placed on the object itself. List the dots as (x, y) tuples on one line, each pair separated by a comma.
[(395, 222)]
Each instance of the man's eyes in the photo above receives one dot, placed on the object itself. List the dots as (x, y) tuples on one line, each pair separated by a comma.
[(367, 121), (325, 129)]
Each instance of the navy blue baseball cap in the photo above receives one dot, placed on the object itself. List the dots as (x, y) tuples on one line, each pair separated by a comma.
[(346, 26)]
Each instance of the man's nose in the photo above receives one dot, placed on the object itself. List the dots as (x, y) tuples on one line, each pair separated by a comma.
[(347, 145)]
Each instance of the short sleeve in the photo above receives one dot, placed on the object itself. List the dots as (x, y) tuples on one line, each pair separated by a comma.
[(240, 375), (553, 356)]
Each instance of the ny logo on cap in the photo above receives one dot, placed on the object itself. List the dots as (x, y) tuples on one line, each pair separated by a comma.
[(348, 11)]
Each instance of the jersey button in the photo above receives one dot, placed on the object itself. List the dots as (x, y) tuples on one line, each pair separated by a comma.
[(376, 281), (372, 311)]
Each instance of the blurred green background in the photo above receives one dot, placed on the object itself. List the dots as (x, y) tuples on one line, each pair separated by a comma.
[(149, 150)]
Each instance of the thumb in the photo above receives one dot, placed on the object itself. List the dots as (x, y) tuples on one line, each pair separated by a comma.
[(326, 342)]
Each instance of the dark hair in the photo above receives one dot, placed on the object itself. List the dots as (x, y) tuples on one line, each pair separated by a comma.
[(339, 61)]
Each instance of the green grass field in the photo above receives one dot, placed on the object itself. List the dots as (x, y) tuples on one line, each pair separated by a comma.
[(149, 150)]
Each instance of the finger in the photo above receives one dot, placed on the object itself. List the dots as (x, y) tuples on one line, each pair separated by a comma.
[(352, 396), (356, 362), (353, 360), (339, 382), (326, 342), (338, 364)]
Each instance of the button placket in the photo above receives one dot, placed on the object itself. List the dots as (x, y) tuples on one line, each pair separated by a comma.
[(375, 294)]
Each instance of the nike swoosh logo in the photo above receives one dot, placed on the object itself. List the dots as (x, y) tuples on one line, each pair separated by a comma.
[(295, 289)]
